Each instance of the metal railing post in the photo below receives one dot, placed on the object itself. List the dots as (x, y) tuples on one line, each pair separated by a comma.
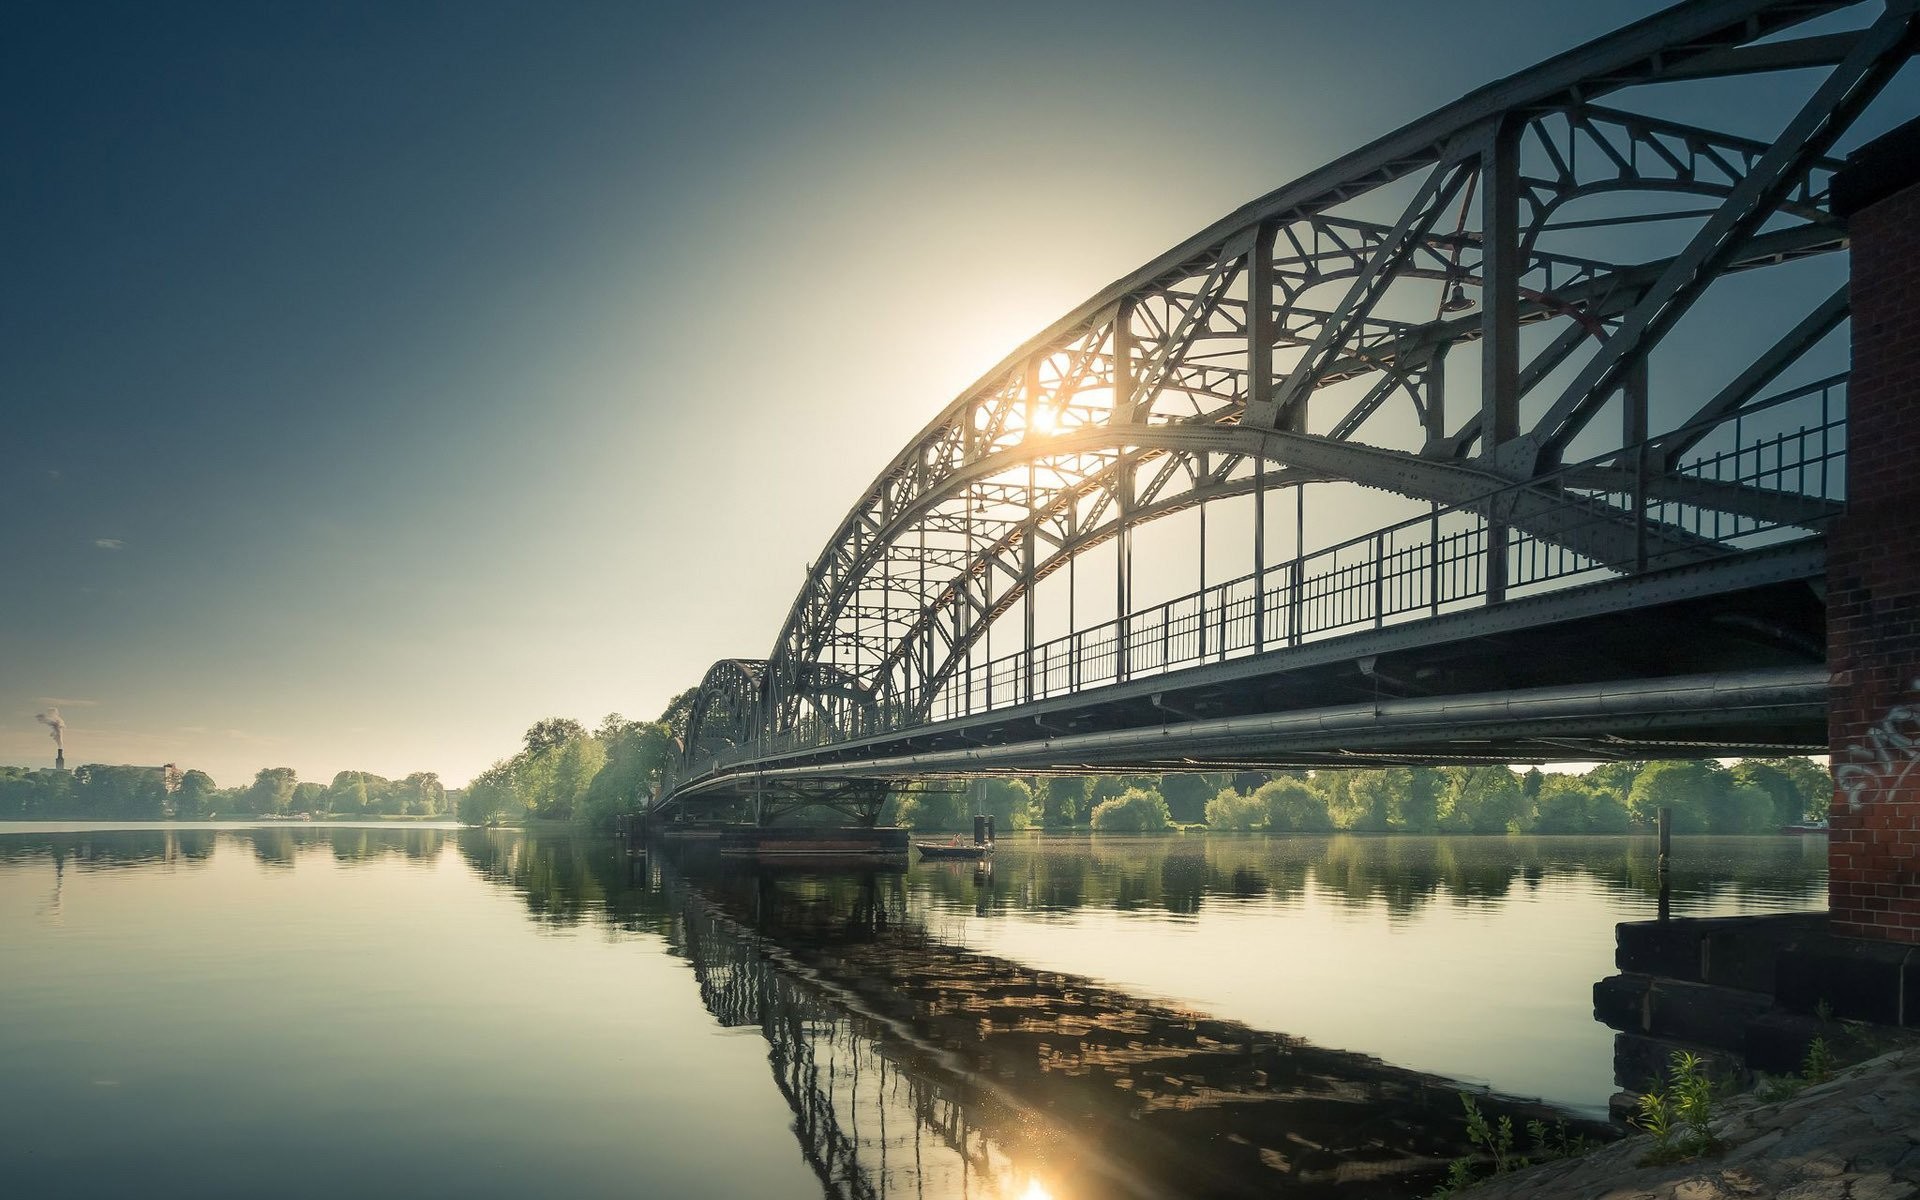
[(1259, 554), (1221, 640), (1293, 600), (1379, 579), (1200, 621)]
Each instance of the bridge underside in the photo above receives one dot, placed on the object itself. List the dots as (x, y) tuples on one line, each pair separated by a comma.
[(1725, 659)]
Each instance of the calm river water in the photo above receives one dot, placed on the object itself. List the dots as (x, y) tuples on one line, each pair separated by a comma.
[(291, 1010)]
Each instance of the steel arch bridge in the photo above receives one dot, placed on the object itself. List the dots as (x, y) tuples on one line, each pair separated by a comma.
[(1612, 548)]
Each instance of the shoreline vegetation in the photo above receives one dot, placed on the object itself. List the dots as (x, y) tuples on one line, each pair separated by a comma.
[(566, 776), (1839, 1133)]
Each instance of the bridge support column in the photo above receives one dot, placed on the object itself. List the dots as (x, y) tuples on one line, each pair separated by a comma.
[(1873, 559)]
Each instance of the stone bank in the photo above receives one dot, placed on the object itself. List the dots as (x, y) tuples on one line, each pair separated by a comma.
[(1856, 1137)]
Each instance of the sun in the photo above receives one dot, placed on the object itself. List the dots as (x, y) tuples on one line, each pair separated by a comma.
[(1043, 420), (1034, 1190)]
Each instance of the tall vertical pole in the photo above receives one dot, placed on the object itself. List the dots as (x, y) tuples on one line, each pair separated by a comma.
[(859, 657), (886, 634), (1299, 572), (1206, 466), (1073, 637), (1633, 435), (1436, 428), (966, 588), (1027, 539), (925, 702), (986, 638), (1260, 339), (1499, 321), (1122, 484), (1123, 564), (1259, 554)]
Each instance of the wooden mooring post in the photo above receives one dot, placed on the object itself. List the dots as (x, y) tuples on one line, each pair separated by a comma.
[(1665, 860), (631, 829)]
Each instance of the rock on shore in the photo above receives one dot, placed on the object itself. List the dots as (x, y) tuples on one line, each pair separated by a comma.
[(1855, 1137)]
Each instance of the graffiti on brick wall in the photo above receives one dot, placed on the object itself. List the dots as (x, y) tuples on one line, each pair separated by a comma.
[(1881, 760)]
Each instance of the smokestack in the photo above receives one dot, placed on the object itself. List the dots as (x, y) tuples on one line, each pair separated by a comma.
[(57, 730)]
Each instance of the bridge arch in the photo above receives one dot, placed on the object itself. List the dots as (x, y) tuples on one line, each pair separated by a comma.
[(1309, 338), (728, 716)]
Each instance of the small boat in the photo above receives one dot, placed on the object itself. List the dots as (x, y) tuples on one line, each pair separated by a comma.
[(954, 849), (1805, 827)]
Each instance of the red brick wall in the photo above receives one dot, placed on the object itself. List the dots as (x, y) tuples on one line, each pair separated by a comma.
[(1873, 591)]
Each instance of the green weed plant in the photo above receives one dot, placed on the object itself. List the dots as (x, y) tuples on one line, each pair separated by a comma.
[(1679, 1117), (1494, 1142)]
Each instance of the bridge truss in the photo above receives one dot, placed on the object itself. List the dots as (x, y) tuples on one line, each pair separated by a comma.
[(1559, 250)]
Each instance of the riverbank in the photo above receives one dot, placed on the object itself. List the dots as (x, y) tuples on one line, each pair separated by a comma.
[(1854, 1137)]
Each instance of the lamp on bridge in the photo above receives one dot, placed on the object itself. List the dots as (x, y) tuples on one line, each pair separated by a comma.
[(1456, 300)]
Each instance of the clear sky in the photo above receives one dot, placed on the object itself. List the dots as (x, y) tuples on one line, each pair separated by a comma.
[(376, 379)]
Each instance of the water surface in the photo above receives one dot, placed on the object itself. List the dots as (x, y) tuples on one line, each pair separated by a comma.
[(317, 1010)]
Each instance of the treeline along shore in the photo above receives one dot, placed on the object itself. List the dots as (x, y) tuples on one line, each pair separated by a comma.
[(564, 772)]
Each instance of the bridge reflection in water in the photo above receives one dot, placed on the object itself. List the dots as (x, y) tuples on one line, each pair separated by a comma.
[(917, 1068)]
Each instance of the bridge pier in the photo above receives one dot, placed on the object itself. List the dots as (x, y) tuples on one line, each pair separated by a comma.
[(1873, 558)]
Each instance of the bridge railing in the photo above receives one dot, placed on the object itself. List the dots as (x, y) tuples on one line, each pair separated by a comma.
[(1771, 474), (1615, 515)]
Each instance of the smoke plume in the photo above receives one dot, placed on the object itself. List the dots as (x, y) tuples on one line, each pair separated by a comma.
[(51, 719)]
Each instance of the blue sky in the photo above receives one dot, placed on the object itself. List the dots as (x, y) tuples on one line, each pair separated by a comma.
[(376, 379)]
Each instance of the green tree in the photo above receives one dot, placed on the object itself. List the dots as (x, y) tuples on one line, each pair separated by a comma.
[(139, 793), (272, 791), (1188, 793), (1136, 810), (942, 809), (1615, 777), (637, 756), (572, 767), (308, 798), (1008, 801), (491, 797), (348, 793), (1371, 800), (1485, 800), (1108, 787), (425, 794), (1063, 801), (1689, 788), (1565, 805), (1607, 813), (1293, 806), (194, 799), (1232, 812), (1420, 804), (1743, 808), (552, 733), (1812, 788), (678, 712)]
